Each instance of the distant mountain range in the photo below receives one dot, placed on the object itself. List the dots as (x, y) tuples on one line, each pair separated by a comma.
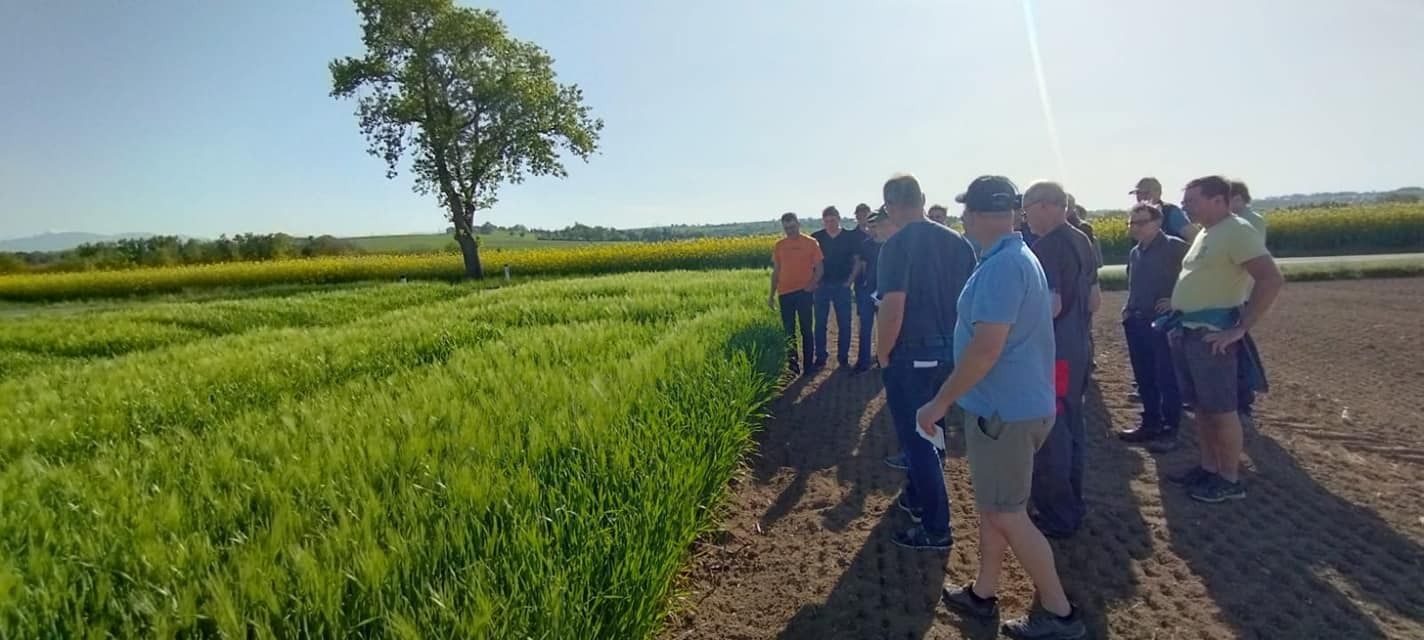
[(61, 241)]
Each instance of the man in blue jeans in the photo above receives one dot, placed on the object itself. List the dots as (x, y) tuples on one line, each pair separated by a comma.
[(838, 247), (921, 270), (868, 253)]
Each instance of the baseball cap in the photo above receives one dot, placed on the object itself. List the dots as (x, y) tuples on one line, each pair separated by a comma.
[(990, 193), (878, 215), (1148, 184)]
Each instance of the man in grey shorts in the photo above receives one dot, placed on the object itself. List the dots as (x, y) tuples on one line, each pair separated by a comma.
[(1003, 379), (1215, 304)]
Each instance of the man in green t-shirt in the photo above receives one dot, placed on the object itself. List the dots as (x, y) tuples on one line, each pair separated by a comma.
[(1241, 207), (1227, 266)]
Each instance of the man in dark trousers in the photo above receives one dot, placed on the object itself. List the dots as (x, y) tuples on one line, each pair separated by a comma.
[(1070, 266), (922, 270), (795, 270), (868, 254), (1152, 269), (841, 268), (1003, 379)]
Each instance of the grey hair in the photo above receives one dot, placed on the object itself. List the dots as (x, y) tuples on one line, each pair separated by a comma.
[(903, 190), (1046, 191)]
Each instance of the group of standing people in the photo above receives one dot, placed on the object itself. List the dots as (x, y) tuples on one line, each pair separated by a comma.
[(997, 321)]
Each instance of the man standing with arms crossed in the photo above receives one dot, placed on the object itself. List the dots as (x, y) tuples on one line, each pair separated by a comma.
[(1003, 379), (1217, 273), (868, 254), (795, 270), (839, 247), (922, 269), (1071, 268)]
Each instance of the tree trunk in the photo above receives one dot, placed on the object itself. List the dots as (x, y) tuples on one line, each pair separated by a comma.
[(470, 249)]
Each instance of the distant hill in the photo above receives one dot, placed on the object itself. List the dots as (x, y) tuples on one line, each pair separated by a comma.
[(62, 241), (1406, 194)]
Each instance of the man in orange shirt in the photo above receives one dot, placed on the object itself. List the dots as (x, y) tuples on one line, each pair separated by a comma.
[(795, 272)]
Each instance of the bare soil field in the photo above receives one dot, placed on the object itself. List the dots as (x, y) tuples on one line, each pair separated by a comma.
[(1328, 544)]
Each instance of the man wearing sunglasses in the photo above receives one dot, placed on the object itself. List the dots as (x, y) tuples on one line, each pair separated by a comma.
[(1152, 269)]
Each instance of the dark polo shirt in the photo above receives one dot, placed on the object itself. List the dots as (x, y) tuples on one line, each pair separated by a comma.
[(1152, 273)]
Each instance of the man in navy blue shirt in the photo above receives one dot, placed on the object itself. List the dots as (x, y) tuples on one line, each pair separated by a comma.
[(1003, 379), (838, 247), (921, 270), (868, 254)]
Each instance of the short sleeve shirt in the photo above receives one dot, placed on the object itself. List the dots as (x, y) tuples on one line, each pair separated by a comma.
[(1256, 220), (1070, 268), (1174, 220), (1212, 273), (839, 253), (869, 256), (1009, 287), (929, 263), (796, 257)]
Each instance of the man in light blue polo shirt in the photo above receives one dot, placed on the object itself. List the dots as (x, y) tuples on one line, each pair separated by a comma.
[(1003, 379)]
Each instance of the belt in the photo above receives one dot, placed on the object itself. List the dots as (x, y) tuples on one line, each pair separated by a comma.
[(926, 343)]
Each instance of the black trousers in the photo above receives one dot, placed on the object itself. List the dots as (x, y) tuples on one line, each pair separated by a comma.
[(796, 312)]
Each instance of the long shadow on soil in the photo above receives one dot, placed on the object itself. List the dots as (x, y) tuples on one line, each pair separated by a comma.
[(1096, 564), (824, 432), (1287, 561), (886, 592)]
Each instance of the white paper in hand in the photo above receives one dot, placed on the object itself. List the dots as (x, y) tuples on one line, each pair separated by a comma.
[(937, 439)]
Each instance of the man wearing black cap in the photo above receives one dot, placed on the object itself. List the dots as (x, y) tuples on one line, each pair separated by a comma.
[(1174, 221), (1003, 379), (921, 270)]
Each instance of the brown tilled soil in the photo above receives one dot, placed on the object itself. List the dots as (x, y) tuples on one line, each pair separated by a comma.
[(1329, 544)]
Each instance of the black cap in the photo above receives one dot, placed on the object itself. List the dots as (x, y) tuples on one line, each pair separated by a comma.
[(878, 215), (990, 193)]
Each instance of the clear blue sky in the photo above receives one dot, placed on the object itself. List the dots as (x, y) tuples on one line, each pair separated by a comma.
[(199, 118)]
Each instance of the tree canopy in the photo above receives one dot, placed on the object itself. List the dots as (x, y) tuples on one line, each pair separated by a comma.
[(472, 107)]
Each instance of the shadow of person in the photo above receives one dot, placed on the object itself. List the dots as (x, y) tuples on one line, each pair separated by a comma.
[(864, 471), (817, 425), (1293, 560), (1096, 564), (885, 592)]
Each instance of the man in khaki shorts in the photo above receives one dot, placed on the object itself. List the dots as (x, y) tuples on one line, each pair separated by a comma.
[(1003, 378)]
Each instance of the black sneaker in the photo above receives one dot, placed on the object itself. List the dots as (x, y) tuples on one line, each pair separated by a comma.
[(1141, 434), (917, 538), (1165, 443), (915, 514), (898, 461), (964, 600), (1191, 477), (1218, 489), (1040, 624)]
